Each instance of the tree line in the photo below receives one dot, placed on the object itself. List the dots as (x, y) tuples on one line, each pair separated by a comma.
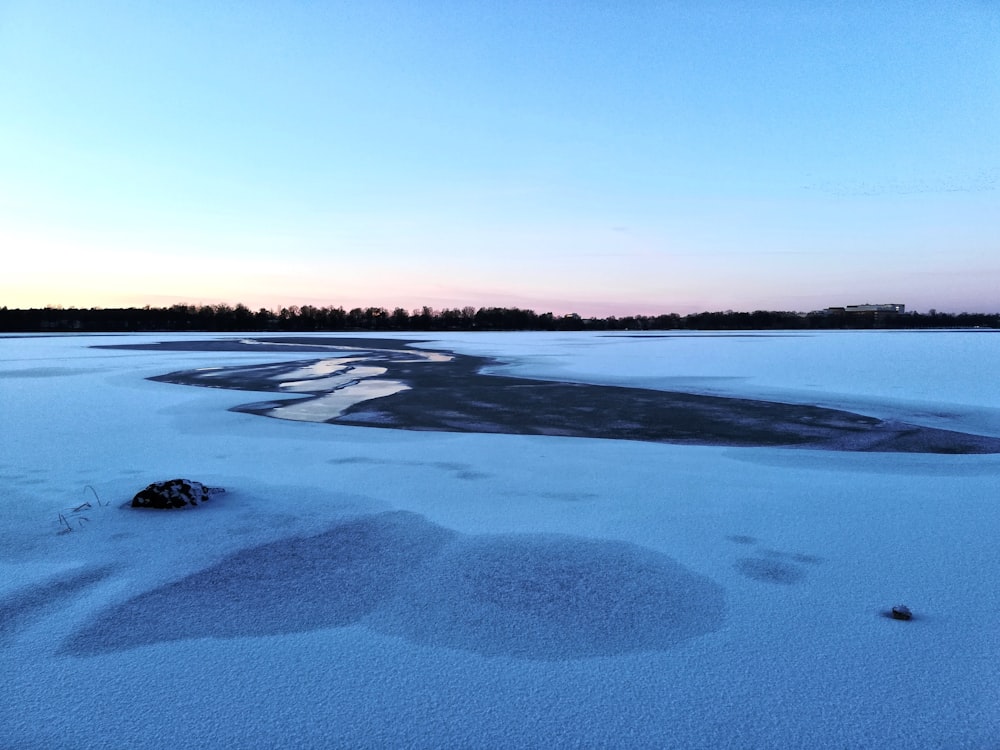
[(224, 317)]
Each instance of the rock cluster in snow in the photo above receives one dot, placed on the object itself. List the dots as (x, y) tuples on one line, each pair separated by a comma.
[(173, 493), (901, 612)]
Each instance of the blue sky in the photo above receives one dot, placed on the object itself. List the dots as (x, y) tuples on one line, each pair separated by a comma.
[(603, 158)]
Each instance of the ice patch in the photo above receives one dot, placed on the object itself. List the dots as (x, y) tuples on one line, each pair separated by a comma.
[(539, 597)]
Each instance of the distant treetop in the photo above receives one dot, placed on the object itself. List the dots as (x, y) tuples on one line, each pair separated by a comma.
[(223, 317)]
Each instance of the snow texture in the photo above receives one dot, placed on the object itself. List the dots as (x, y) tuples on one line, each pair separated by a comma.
[(375, 587)]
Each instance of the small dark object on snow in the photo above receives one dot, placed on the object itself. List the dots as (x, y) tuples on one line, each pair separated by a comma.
[(901, 612), (173, 493)]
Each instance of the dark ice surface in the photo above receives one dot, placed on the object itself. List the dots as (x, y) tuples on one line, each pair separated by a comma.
[(457, 396), (542, 597)]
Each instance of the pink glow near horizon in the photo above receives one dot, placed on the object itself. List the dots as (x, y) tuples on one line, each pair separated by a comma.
[(604, 162)]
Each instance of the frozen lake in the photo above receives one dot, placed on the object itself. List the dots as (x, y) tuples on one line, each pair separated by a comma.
[(362, 587)]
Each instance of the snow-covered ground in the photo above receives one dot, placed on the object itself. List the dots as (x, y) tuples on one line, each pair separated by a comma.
[(378, 588)]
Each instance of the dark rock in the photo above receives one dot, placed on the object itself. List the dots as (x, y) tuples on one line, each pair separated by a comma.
[(901, 612), (173, 493)]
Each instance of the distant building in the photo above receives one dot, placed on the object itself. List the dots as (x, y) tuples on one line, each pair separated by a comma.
[(868, 313), (883, 308)]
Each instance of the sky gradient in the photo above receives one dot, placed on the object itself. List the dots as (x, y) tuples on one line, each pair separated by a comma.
[(656, 157)]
